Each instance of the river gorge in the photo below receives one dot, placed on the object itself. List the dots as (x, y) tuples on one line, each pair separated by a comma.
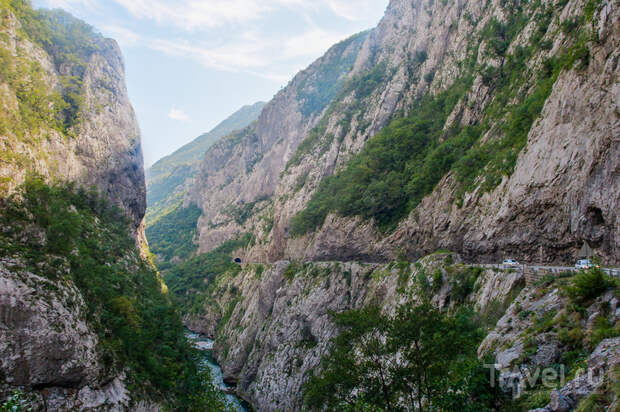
[(205, 345)]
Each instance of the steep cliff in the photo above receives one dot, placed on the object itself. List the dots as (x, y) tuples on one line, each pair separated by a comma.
[(239, 174), (490, 128), (85, 321), (65, 113), (506, 188), (273, 325), (500, 95), (168, 178)]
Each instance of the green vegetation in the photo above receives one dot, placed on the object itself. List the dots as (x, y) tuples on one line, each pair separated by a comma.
[(71, 235), (70, 42), (587, 285), (291, 271), (395, 169), (421, 358), (362, 85), (438, 368), (462, 283), (161, 191), (569, 325), (535, 399), (240, 214), (38, 105), (605, 396), (165, 179), (316, 92), (190, 280), (173, 234), (405, 161), (15, 403), (316, 138)]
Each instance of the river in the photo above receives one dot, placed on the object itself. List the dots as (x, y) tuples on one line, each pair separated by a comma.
[(206, 346)]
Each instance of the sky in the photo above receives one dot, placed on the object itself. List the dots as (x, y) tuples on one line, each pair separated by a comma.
[(192, 63)]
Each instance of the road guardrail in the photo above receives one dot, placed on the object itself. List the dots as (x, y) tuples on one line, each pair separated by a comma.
[(614, 272)]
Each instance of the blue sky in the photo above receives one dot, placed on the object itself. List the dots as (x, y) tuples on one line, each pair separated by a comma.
[(192, 63)]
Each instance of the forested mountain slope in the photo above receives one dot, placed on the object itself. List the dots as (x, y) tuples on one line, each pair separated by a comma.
[(168, 178), (85, 321), (239, 175), (491, 144), (489, 128)]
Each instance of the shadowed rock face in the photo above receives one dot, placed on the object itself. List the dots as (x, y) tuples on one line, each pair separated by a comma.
[(109, 152), (46, 343)]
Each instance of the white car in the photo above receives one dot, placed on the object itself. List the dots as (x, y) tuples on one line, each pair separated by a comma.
[(511, 263), (585, 264)]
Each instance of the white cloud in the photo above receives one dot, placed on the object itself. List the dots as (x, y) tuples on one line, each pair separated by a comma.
[(72, 6), (353, 10), (311, 43), (252, 54), (241, 36), (193, 14), (232, 57), (124, 36), (199, 14), (178, 115)]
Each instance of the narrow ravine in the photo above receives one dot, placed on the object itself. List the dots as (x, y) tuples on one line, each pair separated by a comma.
[(205, 345)]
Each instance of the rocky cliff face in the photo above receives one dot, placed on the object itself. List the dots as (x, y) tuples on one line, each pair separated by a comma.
[(100, 145), (272, 324), (49, 348), (557, 196), (554, 199), (538, 198), (168, 179), (68, 120), (243, 170)]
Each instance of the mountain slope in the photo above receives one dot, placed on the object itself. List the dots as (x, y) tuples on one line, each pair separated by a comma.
[(511, 171), (487, 128), (56, 87), (85, 321), (466, 129), (167, 178), (240, 172)]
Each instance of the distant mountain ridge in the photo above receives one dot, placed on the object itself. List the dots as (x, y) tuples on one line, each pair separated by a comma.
[(167, 177)]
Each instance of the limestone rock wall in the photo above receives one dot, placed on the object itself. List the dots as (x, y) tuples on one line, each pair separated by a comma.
[(558, 197), (272, 324), (47, 348), (105, 150)]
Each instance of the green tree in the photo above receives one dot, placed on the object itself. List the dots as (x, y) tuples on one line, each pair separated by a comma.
[(589, 284), (73, 236), (417, 359), (15, 403), (356, 371)]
